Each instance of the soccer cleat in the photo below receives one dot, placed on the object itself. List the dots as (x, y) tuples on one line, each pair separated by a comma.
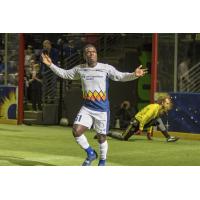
[(172, 139), (102, 163), (89, 159)]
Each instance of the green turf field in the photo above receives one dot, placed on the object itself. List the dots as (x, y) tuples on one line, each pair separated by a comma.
[(54, 146)]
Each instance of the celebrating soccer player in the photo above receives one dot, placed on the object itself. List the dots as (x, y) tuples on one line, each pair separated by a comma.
[(95, 110)]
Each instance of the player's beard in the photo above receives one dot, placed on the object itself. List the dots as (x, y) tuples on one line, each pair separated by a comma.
[(92, 63)]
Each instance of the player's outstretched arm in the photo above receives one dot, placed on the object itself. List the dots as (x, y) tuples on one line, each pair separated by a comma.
[(116, 75), (46, 60), (139, 72), (65, 74)]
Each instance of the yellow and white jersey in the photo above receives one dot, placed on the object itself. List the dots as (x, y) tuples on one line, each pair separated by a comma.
[(147, 114), (95, 82)]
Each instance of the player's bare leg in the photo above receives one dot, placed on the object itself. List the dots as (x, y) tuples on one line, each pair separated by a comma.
[(78, 130), (80, 138)]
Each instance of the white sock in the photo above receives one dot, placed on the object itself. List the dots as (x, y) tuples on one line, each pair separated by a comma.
[(82, 141), (103, 148)]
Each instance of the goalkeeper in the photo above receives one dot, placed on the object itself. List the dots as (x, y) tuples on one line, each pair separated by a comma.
[(148, 117)]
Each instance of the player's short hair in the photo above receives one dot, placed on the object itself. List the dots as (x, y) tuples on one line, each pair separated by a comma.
[(87, 46)]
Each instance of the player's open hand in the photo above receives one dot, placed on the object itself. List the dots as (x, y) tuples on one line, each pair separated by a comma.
[(139, 72), (46, 59)]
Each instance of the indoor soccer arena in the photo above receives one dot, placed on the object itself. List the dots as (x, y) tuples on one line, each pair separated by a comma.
[(54, 112)]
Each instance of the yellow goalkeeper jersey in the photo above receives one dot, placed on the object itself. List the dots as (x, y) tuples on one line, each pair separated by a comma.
[(148, 113)]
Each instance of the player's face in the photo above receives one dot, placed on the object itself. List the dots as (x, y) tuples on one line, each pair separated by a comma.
[(91, 55), (167, 104)]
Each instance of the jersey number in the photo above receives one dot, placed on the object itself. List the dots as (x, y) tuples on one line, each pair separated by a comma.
[(78, 118)]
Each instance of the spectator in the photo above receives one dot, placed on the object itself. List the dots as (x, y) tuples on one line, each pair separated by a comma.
[(1, 64), (29, 67), (35, 85), (184, 78), (50, 51), (2, 77), (69, 49), (49, 78), (12, 66), (28, 55), (27, 77), (80, 43), (124, 114), (13, 79)]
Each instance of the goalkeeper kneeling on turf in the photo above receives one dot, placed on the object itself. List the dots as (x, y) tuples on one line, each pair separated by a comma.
[(148, 117)]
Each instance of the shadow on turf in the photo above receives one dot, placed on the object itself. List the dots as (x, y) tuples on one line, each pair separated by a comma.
[(23, 162)]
